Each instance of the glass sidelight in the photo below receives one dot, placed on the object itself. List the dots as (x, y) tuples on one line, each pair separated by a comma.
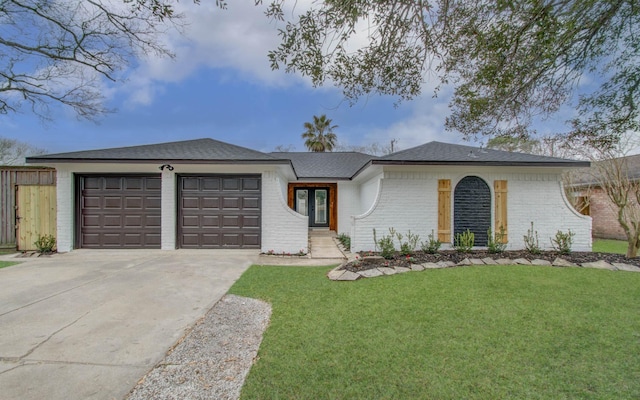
[(313, 203)]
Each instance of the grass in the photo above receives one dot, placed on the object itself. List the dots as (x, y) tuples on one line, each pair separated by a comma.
[(473, 333), (7, 263), (609, 246)]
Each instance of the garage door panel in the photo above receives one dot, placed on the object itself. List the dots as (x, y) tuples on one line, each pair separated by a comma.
[(231, 221), (119, 211), (231, 203), (114, 183), (212, 203), (251, 221), (112, 202), (231, 184), (210, 221), (250, 184), (251, 203), (152, 221), (190, 203), (189, 183), (210, 184), (251, 239), (112, 221), (228, 212)]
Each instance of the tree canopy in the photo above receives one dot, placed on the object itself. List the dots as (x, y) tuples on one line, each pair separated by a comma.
[(60, 52), (509, 62)]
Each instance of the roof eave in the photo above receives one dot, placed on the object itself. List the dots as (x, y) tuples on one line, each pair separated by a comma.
[(572, 164), (44, 160)]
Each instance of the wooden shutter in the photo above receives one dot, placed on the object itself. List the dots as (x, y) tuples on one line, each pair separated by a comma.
[(444, 210), (500, 189)]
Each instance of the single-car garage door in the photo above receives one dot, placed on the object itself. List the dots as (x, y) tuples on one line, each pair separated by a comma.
[(119, 211), (219, 211)]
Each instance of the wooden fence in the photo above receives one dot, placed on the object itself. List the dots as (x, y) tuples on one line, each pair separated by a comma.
[(40, 207)]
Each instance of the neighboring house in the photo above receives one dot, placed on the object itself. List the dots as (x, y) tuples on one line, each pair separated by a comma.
[(209, 194), (592, 200)]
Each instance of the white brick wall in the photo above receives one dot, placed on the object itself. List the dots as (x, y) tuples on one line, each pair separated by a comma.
[(283, 230), (348, 205), (407, 200), (168, 211), (64, 192)]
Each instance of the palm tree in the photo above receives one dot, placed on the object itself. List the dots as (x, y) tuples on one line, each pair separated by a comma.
[(319, 134)]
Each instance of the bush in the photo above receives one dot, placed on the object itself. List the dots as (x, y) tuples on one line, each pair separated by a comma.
[(562, 242), (495, 242), (45, 244), (345, 240), (531, 242), (464, 241), (408, 247), (432, 245), (387, 248)]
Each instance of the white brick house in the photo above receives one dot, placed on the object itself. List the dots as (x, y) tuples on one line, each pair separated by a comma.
[(209, 194)]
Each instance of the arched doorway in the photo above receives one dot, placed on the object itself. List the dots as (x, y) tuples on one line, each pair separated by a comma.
[(472, 208)]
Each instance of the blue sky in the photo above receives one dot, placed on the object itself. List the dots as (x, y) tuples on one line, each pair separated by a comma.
[(220, 86)]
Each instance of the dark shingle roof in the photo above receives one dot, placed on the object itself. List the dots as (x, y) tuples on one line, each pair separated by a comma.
[(589, 176), (198, 150), (338, 165), (437, 153)]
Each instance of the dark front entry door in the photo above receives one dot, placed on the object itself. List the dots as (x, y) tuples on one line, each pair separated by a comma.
[(313, 202)]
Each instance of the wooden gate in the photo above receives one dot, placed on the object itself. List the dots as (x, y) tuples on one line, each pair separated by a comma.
[(35, 214)]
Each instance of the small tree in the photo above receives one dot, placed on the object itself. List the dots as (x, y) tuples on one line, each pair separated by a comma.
[(319, 134), (611, 172), (13, 152)]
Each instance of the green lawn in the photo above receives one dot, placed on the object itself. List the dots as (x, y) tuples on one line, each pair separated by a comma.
[(492, 332), (609, 246), (7, 263)]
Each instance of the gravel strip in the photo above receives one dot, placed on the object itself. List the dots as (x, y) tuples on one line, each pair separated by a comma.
[(214, 358)]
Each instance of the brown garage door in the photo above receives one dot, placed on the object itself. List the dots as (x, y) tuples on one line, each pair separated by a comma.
[(120, 211), (219, 211)]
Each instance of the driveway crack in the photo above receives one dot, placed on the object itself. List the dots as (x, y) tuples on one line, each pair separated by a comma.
[(36, 347)]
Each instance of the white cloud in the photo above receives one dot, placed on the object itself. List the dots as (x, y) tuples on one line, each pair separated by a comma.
[(237, 39)]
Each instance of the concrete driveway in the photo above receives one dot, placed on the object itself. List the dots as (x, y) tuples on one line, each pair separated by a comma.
[(90, 324)]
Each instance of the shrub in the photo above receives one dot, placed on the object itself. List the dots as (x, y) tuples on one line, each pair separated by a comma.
[(562, 242), (464, 241), (45, 244), (495, 242), (408, 247), (432, 245), (345, 240), (387, 248), (531, 242)]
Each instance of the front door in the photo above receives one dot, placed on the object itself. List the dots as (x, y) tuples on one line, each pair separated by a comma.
[(313, 202)]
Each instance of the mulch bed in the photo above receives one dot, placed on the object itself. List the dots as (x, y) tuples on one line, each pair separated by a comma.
[(420, 257)]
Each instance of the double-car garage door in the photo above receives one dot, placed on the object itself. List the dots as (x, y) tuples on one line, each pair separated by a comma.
[(124, 211)]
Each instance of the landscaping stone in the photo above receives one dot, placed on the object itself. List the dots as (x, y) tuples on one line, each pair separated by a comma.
[(371, 273), (489, 261), (561, 262), (387, 270), (599, 265), (335, 274), (446, 264), (466, 261), (504, 261), (372, 258), (402, 269), (348, 276), (540, 262), (626, 267), (432, 265), (417, 267), (521, 261), (476, 261)]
